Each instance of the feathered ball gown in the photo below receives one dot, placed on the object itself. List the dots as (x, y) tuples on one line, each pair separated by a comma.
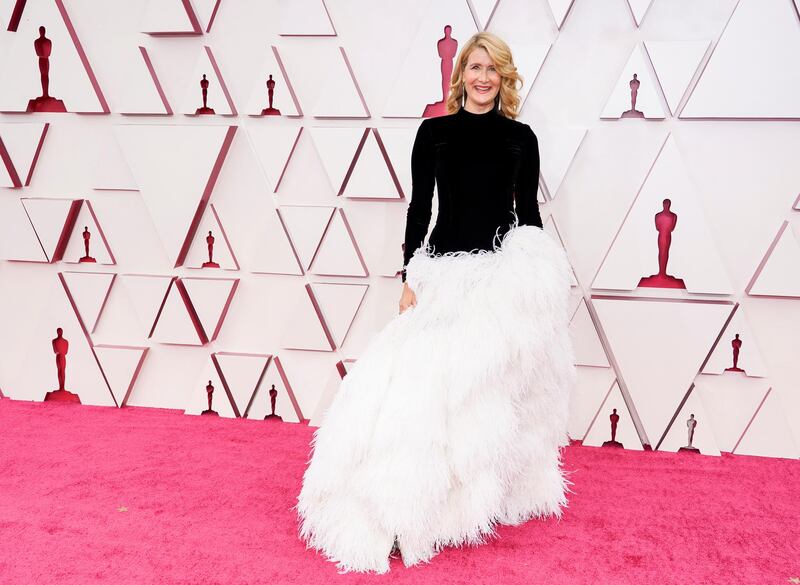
[(454, 418)]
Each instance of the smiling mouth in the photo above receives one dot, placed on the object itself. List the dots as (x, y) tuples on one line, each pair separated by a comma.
[(482, 89)]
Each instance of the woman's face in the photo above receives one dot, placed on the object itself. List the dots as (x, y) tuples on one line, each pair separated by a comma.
[(481, 81)]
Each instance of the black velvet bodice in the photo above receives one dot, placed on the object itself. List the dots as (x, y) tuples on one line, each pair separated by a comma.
[(485, 167)]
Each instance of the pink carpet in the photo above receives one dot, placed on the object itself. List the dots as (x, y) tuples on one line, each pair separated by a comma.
[(98, 495)]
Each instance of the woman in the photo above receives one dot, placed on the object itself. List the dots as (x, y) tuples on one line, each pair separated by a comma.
[(453, 418)]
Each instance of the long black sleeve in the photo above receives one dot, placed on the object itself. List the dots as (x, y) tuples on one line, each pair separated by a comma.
[(526, 197), (418, 217)]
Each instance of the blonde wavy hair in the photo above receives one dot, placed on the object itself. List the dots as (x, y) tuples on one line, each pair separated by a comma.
[(500, 53)]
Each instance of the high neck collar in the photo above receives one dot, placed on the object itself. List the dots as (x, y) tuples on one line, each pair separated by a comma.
[(484, 116)]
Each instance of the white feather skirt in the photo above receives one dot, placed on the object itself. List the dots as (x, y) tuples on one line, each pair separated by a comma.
[(454, 418)]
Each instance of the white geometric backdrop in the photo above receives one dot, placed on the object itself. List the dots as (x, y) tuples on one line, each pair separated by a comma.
[(307, 208)]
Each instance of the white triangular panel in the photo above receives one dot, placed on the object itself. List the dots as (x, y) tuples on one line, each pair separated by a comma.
[(648, 100), (639, 9), (134, 87), (769, 434), (306, 225), (693, 255), (600, 431), (89, 290), (750, 359), (17, 236), (273, 253), (98, 248), (167, 17), (304, 329), (210, 298), (529, 58), (274, 146), (339, 304), (306, 18), (753, 71), (588, 347), (82, 375), (678, 434), (337, 148), (221, 252), (242, 374), (423, 63), (675, 63), (198, 397), (22, 143), (730, 401), (371, 177), (780, 275), (175, 324), (340, 96), (328, 394), (398, 143), (146, 293), (205, 10), (218, 98), (551, 228), (337, 254), (591, 388), (483, 11), (49, 218), (121, 366), (561, 145), (379, 230), (70, 78), (283, 96), (174, 167), (560, 8), (661, 358), (285, 402)]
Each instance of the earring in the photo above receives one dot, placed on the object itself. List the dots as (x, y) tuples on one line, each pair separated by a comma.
[(498, 102), (463, 95)]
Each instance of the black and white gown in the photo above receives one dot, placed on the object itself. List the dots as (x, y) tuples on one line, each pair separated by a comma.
[(454, 417)]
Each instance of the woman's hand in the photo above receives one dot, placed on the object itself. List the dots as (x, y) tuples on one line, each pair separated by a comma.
[(408, 298)]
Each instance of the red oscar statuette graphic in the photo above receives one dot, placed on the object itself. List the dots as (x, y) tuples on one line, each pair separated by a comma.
[(86, 237), (210, 241), (666, 221), (45, 102), (614, 417), (736, 344), (210, 395), (447, 47), (269, 110), (60, 348), (633, 112), (273, 395), (204, 87)]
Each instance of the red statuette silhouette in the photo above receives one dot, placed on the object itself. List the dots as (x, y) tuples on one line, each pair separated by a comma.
[(45, 102), (60, 348), (86, 237), (614, 417), (269, 110), (210, 395), (633, 112), (666, 221), (447, 47), (273, 395), (210, 242), (204, 87), (736, 343)]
